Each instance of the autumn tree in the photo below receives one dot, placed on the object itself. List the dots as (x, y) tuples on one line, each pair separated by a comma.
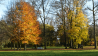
[(49, 33), (42, 7), (91, 31), (28, 24), (10, 18), (94, 10), (60, 34), (59, 10), (4, 33), (79, 28)]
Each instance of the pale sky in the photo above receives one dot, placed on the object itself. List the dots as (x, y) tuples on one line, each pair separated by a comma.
[(3, 7)]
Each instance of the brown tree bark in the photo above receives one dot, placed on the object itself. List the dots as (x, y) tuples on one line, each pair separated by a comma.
[(25, 46), (14, 45)]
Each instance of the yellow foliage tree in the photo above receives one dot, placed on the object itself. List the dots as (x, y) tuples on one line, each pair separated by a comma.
[(79, 26)]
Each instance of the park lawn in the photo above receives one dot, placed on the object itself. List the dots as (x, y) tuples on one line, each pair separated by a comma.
[(52, 47), (60, 47), (48, 47), (50, 53), (13, 48)]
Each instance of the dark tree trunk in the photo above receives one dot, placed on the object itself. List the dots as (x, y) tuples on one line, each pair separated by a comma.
[(14, 45), (25, 46), (78, 46), (45, 44), (94, 25), (17, 45), (20, 46), (82, 45), (44, 25), (35, 46), (75, 46), (11, 45), (32, 46), (63, 19), (70, 43)]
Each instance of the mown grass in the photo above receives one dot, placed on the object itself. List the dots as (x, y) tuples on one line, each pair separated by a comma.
[(54, 47), (50, 53), (66, 52)]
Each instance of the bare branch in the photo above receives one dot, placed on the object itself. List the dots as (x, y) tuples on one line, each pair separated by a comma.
[(89, 9), (96, 6)]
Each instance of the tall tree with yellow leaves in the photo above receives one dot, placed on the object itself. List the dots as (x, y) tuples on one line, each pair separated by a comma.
[(78, 31), (28, 24)]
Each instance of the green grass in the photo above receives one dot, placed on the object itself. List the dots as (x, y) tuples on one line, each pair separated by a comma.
[(48, 47), (13, 48), (53, 47), (66, 52), (58, 47), (50, 53)]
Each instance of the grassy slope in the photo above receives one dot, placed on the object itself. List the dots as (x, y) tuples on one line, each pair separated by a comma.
[(50, 53)]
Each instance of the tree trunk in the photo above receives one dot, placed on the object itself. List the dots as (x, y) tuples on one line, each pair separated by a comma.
[(20, 45), (25, 46), (17, 45), (70, 43), (11, 45), (79, 46), (45, 44), (14, 45), (63, 19), (94, 25), (32, 46), (75, 46), (35, 46), (44, 25)]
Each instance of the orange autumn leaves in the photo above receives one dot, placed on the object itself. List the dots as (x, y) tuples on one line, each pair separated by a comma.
[(27, 23)]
